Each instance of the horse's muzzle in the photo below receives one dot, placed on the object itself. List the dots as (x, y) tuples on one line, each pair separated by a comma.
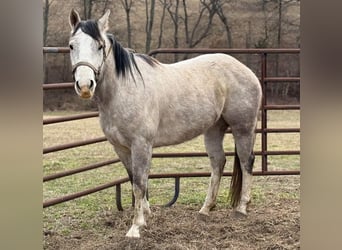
[(85, 92), (85, 89)]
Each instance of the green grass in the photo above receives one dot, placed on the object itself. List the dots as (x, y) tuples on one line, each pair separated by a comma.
[(192, 190)]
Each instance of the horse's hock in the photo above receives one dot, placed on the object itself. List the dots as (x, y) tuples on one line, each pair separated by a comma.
[(263, 130)]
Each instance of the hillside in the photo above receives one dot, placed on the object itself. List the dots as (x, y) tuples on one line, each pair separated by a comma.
[(223, 24)]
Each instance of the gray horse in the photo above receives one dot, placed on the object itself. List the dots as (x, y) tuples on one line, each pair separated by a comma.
[(145, 104)]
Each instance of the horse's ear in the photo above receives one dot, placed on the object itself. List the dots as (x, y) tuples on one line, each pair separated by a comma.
[(103, 22), (74, 19)]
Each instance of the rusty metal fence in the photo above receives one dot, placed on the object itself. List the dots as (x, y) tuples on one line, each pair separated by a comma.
[(264, 130)]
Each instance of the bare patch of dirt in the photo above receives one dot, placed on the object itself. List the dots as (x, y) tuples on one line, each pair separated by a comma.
[(272, 225)]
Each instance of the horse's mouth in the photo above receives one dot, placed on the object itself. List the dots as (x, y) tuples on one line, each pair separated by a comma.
[(85, 93)]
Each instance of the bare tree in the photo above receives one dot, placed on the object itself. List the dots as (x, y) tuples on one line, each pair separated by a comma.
[(274, 22), (248, 43), (165, 4), (127, 4), (265, 40), (46, 14), (279, 35), (199, 32), (221, 14), (186, 23), (175, 19), (149, 23), (87, 7), (94, 5), (203, 23), (275, 12), (196, 28)]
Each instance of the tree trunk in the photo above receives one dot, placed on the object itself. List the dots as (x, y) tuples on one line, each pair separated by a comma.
[(87, 8), (174, 16), (279, 33), (46, 21), (278, 86), (224, 20), (161, 23), (248, 43), (45, 29), (129, 30), (198, 32), (176, 29), (127, 4), (187, 38), (149, 24), (202, 33)]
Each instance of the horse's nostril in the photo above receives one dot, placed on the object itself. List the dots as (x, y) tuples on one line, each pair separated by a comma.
[(77, 85), (91, 84)]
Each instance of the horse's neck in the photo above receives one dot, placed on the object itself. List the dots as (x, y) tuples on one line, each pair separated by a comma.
[(107, 86), (111, 88)]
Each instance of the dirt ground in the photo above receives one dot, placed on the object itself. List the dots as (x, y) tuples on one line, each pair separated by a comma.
[(273, 224)]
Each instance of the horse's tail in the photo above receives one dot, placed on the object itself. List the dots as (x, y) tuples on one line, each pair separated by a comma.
[(236, 182)]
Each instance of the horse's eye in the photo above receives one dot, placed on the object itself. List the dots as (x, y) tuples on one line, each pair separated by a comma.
[(71, 47), (100, 47)]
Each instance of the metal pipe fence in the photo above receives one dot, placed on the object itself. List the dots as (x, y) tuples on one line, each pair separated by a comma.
[(264, 130)]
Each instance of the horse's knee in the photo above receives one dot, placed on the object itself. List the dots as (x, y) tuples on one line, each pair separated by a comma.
[(140, 181)]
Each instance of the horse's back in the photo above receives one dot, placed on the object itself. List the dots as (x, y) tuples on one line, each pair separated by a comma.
[(198, 91), (218, 76), (212, 69)]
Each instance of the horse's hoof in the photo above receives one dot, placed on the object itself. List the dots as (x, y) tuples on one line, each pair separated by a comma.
[(133, 232), (204, 212)]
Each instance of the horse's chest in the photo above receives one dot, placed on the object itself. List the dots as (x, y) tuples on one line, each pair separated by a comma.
[(113, 133)]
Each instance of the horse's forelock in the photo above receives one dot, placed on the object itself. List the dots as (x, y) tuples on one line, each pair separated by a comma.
[(90, 27)]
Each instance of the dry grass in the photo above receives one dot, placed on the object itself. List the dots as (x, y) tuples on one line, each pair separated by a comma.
[(193, 190)]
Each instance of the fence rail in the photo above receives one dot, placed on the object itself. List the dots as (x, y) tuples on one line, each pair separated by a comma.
[(264, 130)]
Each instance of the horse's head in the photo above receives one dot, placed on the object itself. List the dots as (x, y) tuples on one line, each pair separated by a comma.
[(88, 52)]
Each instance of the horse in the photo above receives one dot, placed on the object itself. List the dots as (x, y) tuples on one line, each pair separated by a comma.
[(144, 104)]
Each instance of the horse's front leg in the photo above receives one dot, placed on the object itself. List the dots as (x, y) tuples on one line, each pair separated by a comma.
[(141, 160)]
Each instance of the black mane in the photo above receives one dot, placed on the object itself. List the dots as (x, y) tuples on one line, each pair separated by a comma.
[(124, 59)]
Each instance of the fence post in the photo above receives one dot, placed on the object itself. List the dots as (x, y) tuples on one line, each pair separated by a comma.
[(264, 113)]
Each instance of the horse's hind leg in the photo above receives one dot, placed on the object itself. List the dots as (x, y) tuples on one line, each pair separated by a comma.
[(244, 141), (213, 143)]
